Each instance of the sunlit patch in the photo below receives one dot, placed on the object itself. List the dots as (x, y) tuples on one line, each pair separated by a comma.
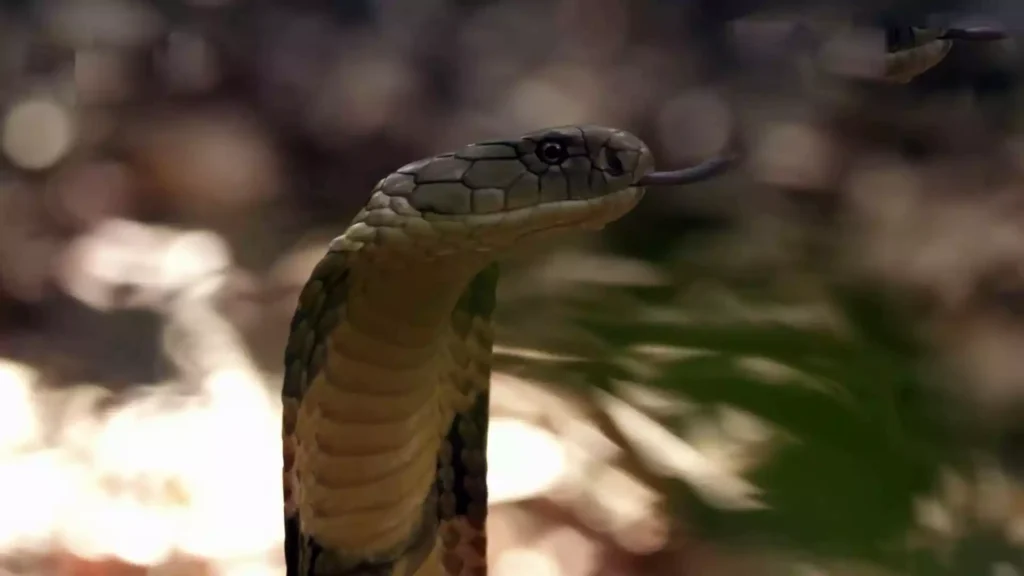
[(526, 561), (155, 477), (524, 461), (19, 423), (27, 523)]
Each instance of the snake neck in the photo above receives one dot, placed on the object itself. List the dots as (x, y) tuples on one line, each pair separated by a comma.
[(412, 302), (372, 424)]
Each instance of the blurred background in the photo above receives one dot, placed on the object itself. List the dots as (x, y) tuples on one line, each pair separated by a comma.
[(811, 365)]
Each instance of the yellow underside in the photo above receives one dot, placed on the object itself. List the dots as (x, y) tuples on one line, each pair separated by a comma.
[(368, 431), (367, 446)]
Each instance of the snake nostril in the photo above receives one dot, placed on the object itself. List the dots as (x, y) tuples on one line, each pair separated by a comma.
[(900, 38), (615, 167)]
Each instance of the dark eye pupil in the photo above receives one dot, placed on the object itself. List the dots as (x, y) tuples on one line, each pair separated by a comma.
[(552, 152)]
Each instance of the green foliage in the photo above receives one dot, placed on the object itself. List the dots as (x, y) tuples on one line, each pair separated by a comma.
[(860, 429), (861, 441)]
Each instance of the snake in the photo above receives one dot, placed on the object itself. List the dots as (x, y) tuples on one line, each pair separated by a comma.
[(388, 360), (914, 51), (910, 51)]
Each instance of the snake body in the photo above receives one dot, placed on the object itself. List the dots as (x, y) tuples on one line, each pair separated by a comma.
[(927, 49), (387, 366), (910, 51)]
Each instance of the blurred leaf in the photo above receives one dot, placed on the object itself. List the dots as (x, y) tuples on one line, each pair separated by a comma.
[(878, 319), (811, 351), (865, 437), (825, 501), (839, 368), (793, 406), (560, 371)]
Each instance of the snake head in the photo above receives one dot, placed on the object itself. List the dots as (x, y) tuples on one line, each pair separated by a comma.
[(490, 195), (495, 193), (546, 167)]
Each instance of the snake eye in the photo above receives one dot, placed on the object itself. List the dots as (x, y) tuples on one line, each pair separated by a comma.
[(552, 152)]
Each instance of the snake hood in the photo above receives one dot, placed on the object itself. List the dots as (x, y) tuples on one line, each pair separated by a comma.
[(387, 367)]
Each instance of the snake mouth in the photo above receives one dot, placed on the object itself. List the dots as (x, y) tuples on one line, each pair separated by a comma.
[(526, 223)]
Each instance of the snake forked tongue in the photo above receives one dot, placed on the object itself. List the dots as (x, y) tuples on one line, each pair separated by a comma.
[(978, 34), (703, 171)]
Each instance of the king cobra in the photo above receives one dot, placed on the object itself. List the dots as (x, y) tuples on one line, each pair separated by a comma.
[(910, 51), (915, 51), (388, 361)]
